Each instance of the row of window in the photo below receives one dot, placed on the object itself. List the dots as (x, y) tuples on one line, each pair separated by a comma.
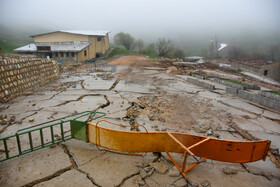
[(62, 54)]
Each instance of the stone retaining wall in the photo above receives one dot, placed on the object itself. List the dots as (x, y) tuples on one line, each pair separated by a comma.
[(231, 84), (234, 85), (269, 95), (256, 98), (261, 83), (200, 83), (23, 75), (231, 90), (198, 76)]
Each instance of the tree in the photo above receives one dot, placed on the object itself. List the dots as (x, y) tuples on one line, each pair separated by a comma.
[(139, 44), (273, 51), (125, 40), (163, 46), (178, 53), (149, 50), (236, 52), (255, 51)]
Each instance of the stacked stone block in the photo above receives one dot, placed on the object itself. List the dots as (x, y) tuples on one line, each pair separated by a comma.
[(200, 83), (24, 75)]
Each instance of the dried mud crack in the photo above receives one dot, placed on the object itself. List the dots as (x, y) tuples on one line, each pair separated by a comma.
[(78, 99), (70, 155), (127, 177), (89, 177), (106, 104), (273, 154), (115, 84), (56, 174), (75, 165), (260, 173)]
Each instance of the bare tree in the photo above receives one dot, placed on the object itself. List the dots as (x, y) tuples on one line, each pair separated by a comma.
[(125, 40), (163, 46), (236, 52)]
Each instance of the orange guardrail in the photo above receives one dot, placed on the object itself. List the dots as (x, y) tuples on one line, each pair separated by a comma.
[(132, 142)]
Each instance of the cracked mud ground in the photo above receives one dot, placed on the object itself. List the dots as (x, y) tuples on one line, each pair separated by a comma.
[(138, 95)]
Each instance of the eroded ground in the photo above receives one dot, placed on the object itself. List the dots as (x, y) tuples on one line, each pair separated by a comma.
[(149, 96)]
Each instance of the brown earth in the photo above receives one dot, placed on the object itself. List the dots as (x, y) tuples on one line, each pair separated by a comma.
[(135, 60)]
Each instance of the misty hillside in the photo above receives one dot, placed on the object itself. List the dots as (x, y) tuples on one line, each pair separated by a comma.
[(12, 37), (192, 43)]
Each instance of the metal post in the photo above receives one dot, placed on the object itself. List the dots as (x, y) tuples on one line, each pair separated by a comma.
[(6, 148), (30, 141), (52, 134), (42, 138), (19, 146)]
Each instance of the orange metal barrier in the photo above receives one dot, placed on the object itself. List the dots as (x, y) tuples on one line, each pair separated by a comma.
[(175, 142)]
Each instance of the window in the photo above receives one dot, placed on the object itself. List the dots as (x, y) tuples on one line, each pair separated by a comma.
[(67, 54), (99, 39), (61, 54), (265, 73), (85, 52), (73, 54), (43, 48)]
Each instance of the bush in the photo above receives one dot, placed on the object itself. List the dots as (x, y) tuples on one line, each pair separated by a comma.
[(121, 51)]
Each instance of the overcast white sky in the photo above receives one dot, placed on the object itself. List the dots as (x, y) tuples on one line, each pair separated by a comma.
[(144, 17)]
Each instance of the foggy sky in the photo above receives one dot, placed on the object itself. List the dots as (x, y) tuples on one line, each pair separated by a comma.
[(153, 18)]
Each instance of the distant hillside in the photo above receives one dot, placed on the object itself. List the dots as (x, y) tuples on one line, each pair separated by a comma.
[(11, 38), (8, 44)]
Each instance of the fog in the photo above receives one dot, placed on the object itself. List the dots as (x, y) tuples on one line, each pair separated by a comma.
[(183, 21)]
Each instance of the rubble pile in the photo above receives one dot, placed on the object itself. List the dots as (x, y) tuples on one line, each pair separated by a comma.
[(167, 62), (23, 75)]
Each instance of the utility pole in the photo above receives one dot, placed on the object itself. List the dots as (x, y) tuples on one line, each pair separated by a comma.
[(216, 47)]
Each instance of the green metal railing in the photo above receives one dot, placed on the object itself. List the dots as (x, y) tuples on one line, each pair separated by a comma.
[(39, 128)]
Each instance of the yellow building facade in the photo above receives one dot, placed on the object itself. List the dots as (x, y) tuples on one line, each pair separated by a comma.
[(74, 46)]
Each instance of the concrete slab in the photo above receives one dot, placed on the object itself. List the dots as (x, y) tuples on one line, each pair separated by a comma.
[(111, 169), (70, 178), (96, 83), (238, 103), (117, 107), (87, 103), (34, 166), (264, 166), (161, 180), (125, 86), (217, 177), (83, 152)]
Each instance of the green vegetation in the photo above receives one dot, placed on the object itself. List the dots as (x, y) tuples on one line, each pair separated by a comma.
[(121, 51), (124, 39), (149, 50), (274, 92), (236, 82), (152, 57), (8, 45)]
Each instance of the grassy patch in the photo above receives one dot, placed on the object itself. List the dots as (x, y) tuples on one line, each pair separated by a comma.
[(152, 57), (8, 45), (274, 92), (242, 74), (121, 51), (236, 82)]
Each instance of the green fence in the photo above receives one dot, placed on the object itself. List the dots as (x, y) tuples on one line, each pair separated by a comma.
[(57, 130)]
